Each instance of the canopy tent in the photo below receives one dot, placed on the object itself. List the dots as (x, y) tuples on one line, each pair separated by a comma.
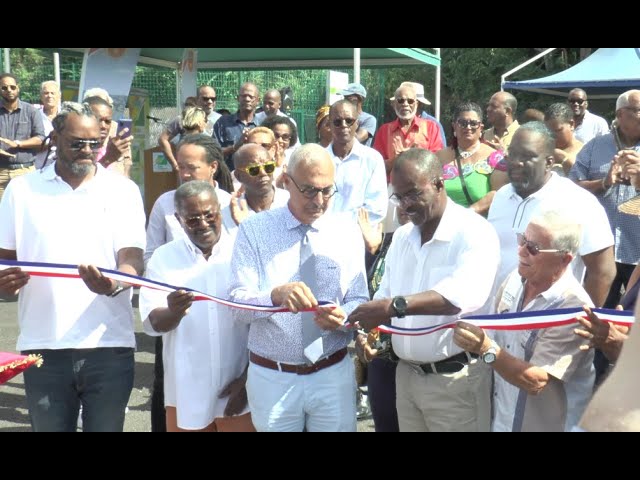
[(604, 74), (291, 58)]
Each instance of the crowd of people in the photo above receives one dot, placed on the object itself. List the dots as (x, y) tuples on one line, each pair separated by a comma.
[(372, 229)]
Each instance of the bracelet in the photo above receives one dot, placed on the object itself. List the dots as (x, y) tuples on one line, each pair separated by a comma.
[(604, 185)]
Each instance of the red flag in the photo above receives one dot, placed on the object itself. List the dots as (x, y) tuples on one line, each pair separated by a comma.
[(12, 364)]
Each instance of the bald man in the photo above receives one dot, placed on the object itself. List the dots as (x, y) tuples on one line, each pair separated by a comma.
[(300, 376), (587, 125), (501, 113), (271, 103)]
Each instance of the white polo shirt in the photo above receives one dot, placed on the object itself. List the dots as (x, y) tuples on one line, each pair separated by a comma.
[(510, 214), (208, 349), (280, 199), (459, 263), (45, 220), (164, 226)]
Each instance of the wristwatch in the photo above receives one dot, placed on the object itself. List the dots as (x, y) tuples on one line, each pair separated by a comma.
[(119, 289), (491, 355), (18, 143), (399, 306)]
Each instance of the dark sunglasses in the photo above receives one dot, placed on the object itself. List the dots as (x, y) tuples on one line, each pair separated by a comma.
[(533, 248), (206, 99), (409, 101), (6, 88), (194, 222), (254, 170), (312, 192), (338, 122), (284, 136), (579, 101), (77, 145), (464, 123)]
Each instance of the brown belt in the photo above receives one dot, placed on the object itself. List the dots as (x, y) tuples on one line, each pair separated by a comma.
[(303, 369)]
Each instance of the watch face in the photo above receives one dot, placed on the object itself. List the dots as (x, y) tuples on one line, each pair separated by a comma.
[(400, 303), (489, 357)]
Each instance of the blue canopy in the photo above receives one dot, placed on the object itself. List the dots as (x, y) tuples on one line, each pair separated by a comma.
[(604, 74)]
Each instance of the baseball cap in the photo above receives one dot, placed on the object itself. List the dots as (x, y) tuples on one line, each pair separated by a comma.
[(354, 89), (419, 88)]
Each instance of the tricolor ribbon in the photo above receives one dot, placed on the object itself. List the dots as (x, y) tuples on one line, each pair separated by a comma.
[(519, 321), (53, 270)]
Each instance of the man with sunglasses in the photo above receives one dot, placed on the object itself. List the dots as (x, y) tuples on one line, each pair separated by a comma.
[(205, 351), (544, 380), (439, 266), (367, 123), (21, 132), (66, 213), (254, 170), (360, 173), (300, 375), (534, 188), (408, 130), (587, 124)]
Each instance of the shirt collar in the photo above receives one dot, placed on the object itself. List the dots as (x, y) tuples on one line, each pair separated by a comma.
[(395, 125), (194, 250), (292, 222), (558, 289), (446, 228), (49, 172)]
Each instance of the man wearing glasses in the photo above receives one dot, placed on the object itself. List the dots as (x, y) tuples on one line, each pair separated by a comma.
[(544, 380), (300, 376), (588, 125), (21, 132), (439, 266), (66, 213), (205, 351), (408, 130), (254, 170)]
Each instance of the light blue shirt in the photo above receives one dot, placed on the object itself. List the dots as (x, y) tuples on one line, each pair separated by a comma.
[(361, 180), (369, 123), (592, 126), (267, 255)]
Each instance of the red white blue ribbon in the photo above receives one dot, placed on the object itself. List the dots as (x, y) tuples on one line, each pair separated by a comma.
[(520, 321), (53, 270)]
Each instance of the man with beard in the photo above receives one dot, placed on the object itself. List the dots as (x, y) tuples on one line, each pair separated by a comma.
[(66, 214), (439, 266), (535, 188), (21, 132), (587, 124), (205, 352)]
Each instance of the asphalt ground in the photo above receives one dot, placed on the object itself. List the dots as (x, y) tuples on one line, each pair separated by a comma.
[(13, 406)]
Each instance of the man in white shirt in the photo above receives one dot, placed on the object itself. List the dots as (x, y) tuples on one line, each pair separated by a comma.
[(360, 172), (205, 351), (439, 266), (535, 188), (543, 380), (271, 103), (300, 376), (66, 214), (587, 124)]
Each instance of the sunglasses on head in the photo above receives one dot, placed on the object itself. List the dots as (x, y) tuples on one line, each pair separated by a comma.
[(266, 146), (409, 101), (77, 145), (464, 123), (579, 101), (6, 88), (194, 222), (338, 122), (532, 247), (206, 99), (254, 170)]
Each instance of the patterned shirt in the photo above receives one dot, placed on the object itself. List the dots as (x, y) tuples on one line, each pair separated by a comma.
[(593, 163), (267, 255)]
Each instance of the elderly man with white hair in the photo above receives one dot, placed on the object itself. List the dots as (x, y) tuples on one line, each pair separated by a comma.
[(544, 380)]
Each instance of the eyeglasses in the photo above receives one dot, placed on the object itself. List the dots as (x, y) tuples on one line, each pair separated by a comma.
[(579, 101), (206, 99), (194, 222), (254, 170), (409, 101), (338, 122), (410, 197), (6, 88), (77, 145), (284, 136), (533, 248), (312, 192), (464, 123), (635, 111)]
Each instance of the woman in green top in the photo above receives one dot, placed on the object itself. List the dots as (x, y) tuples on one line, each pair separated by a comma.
[(473, 171)]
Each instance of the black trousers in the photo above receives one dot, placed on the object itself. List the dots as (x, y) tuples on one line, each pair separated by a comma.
[(381, 388), (158, 417)]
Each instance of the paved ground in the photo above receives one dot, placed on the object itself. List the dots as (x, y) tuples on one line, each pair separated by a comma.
[(13, 408)]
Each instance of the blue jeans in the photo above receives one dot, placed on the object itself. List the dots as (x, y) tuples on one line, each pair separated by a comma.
[(99, 379)]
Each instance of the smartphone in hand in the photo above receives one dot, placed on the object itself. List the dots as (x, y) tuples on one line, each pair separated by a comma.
[(122, 124)]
